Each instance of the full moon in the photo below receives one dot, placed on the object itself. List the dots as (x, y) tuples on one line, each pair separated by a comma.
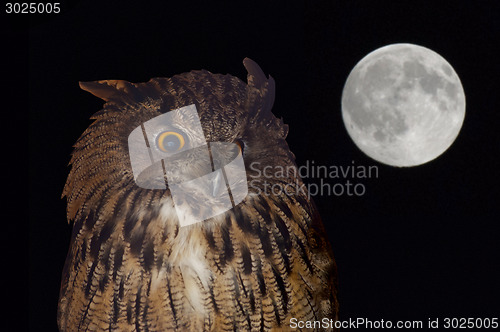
[(403, 105)]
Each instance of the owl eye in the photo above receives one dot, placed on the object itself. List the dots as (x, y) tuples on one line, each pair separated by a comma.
[(170, 141), (241, 145)]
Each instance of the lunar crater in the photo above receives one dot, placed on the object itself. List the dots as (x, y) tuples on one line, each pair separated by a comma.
[(403, 105)]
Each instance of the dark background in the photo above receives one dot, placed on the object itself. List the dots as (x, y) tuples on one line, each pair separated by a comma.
[(423, 242)]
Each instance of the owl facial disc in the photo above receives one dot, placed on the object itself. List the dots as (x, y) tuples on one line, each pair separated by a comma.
[(204, 179)]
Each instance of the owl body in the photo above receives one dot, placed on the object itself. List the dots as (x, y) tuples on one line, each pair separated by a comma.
[(131, 267)]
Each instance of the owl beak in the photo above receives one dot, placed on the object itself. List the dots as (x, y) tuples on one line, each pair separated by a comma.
[(217, 183)]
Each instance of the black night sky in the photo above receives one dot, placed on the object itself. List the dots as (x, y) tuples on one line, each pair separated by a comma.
[(421, 243)]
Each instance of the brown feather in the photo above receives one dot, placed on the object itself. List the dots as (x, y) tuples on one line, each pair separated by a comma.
[(130, 267)]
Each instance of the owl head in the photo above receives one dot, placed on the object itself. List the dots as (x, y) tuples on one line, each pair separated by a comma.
[(227, 109)]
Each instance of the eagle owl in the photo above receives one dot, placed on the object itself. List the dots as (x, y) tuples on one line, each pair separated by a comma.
[(132, 267)]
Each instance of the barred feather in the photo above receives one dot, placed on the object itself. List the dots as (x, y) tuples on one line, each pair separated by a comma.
[(130, 267)]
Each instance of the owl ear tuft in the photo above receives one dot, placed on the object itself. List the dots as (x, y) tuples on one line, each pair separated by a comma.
[(256, 77), (111, 90), (258, 80)]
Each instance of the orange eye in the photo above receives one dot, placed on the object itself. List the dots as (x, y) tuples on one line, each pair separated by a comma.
[(241, 145), (170, 141)]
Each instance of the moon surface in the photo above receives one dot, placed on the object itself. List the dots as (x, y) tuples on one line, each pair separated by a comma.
[(403, 105)]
